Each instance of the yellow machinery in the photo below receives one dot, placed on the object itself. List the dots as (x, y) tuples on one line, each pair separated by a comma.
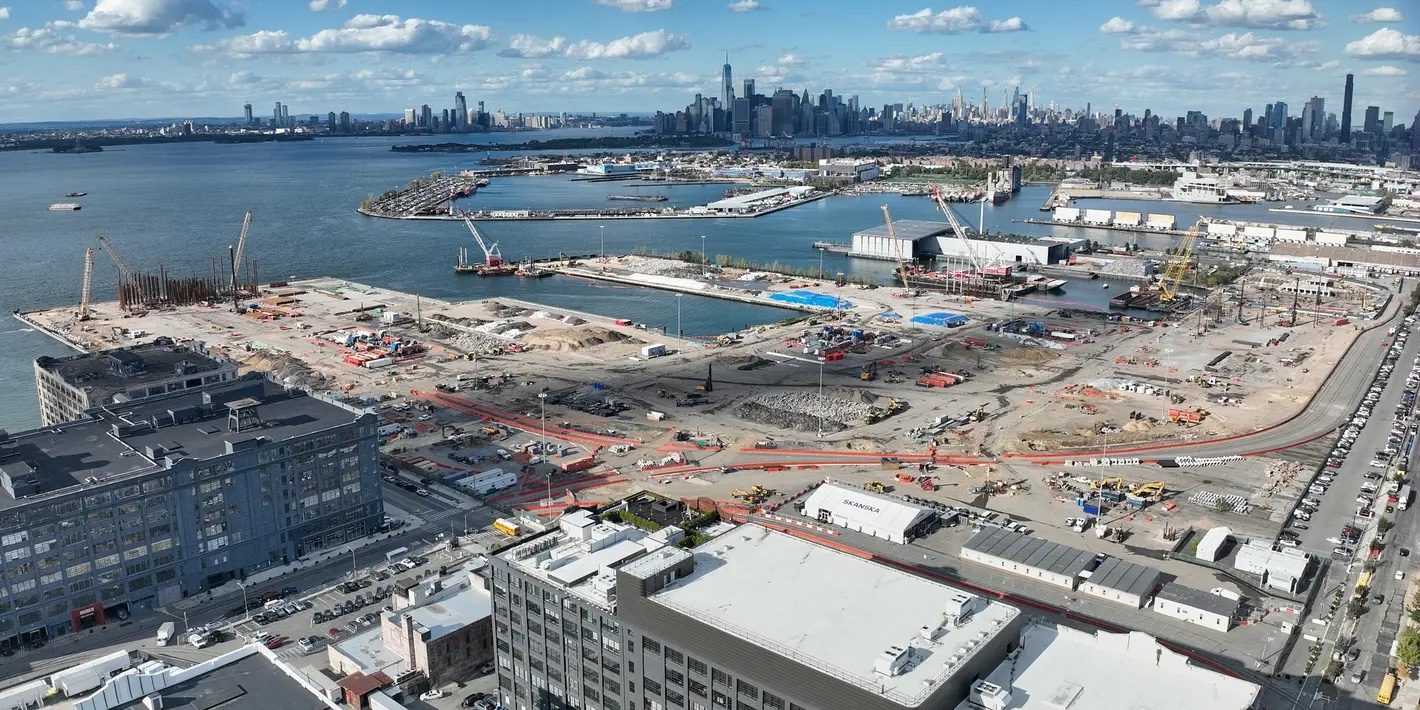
[(1177, 267), (1107, 484), (754, 494), (1153, 489), (875, 487)]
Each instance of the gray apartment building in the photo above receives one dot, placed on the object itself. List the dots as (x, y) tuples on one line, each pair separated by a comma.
[(140, 504), (603, 616), (69, 386)]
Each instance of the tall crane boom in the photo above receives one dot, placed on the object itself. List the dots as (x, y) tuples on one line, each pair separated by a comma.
[(957, 227), (892, 235), (491, 256), (88, 283), (1177, 267), (123, 270), (242, 241)]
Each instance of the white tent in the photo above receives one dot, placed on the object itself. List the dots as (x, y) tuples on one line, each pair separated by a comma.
[(870, 513)]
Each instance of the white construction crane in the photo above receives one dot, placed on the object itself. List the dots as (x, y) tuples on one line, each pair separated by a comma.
[(492, 258), (88, 283), (123, 271), (957, 227), (892, 235), (242, 242)]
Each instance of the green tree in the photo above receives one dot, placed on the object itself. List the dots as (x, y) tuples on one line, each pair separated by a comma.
[(1407, 651), (1384, 525), (1414, 609)]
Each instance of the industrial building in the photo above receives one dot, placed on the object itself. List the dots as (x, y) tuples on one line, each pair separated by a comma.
[(139, 506), (756, 201), (441, 628), (1347, 260), (69, 386), (1281, 568), (920, 240), (597, 614), (848, 169), (1047, 561), (1120, 581), (1062, 667), (1195, 606), (1214, 544), (869, 513)]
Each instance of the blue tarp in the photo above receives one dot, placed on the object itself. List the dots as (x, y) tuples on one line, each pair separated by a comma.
[(943, 319), (811, 299)]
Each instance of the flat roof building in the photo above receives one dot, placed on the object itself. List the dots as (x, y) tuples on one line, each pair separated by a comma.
[(1196, 606), (869, 513), (142, 504), (1345, 257), (742, 622), (1214, 544), (1281, 568), (69, 386), (1047, 561), (919, 239), (1062, 667), (1124, 582), (448, 633), (762, 199)]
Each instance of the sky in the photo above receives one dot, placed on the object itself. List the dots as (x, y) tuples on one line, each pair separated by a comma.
[(104, 59)]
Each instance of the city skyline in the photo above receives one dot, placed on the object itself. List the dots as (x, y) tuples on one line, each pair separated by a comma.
[(120, 58)]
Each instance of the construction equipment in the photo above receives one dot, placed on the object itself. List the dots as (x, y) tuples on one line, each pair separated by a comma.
[(928, 483), (1177, 267), (905, 478), (493, 263), (869, 372), (753, 495), (1152, 489), (957, 229), (875, 487), (894, 406), (242, 243), (892, 235), (125, 275), (88, 283), (1187, 416), (1113, 483)]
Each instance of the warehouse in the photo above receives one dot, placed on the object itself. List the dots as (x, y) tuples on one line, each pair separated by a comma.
[(1195, 606), (1214, 544), (485, 482), (1281, 569), (919, 239), (864, 512), (1028, 556), (1355, 260), (1120, 581)]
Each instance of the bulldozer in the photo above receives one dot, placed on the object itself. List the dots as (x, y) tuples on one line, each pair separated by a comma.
[(753, 495), (875, 487), (869, 372)]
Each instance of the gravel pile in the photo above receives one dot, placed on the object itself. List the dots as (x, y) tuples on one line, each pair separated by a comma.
[(477, 342), (1125, 266), (803, 411), (660, 267)]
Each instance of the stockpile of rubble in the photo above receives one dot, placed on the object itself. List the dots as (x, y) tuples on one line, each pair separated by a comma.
[(660, 267), (1279, 477), (803, 411), (1126, 266), (478, 342)]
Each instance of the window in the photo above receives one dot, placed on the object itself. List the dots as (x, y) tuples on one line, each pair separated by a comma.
[(651, 686), (772, 701), (719, 677), (651, 645), (746, 689), (675, 677), (674, 698), (720, 699), (696, 688)]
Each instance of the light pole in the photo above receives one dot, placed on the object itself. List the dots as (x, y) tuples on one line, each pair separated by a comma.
[(246, 608), (603, 229), (702, 256), (542, 405), (679, 331), (465, 521), (354, 571), (820, 263), (821, 404)]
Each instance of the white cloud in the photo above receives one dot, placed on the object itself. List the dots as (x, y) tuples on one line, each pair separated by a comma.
[(641, 46), (789, 59), (1011, 24), (1385, 70), (924, 62), (1246, 46), (115, 82), (323, 5), (1380, 14), (1386, 43), (1117, 26), (74, 5), (46, 39), (745, 6), (4, 13), (965, 18), (157, 18), (638, 5), (1258, 14), (531, 46), (364, 33)]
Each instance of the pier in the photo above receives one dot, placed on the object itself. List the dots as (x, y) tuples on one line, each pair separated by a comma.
[(599, 213)]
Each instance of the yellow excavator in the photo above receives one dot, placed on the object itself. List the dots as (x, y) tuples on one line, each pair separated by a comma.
[(1107, 484), (1153, 490)]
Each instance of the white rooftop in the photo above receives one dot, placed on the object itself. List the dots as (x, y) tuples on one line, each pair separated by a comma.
[(579, 554), (834, 611), (446, 613), (1067, 669), (878, 515)]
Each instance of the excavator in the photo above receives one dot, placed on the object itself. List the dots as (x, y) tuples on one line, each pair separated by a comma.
[(1113, 483), (753, 495), (1152, 490), (875, 487)]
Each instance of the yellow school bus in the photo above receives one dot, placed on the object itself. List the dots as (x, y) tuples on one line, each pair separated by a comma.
[(1387, 690)]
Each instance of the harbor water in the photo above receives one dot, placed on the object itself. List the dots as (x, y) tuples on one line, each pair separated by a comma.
[(180, 205)]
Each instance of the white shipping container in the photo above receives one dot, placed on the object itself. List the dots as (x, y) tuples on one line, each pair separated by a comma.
[(1291, 235), (1098, 216), (23, 697), (1067, 214), (655, 350), (88, 676), (379, 362)]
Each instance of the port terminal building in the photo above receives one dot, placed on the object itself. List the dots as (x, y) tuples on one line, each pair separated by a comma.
[(916, 241)]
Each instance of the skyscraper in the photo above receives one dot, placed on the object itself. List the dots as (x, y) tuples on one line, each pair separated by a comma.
[(276, 115), (460, 116), (1346, 109), (246, 111), (727, 87), (1247, 121), (749, 90), (1279, 121), (1373, 119)]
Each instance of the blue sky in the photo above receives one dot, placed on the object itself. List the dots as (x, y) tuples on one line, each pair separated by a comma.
[(81, 59)]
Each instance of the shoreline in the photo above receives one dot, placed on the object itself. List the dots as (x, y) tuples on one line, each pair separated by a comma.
[(552, 215)]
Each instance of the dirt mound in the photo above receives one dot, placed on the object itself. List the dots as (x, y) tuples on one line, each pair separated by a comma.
[(1027, 356), (567, 339)]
